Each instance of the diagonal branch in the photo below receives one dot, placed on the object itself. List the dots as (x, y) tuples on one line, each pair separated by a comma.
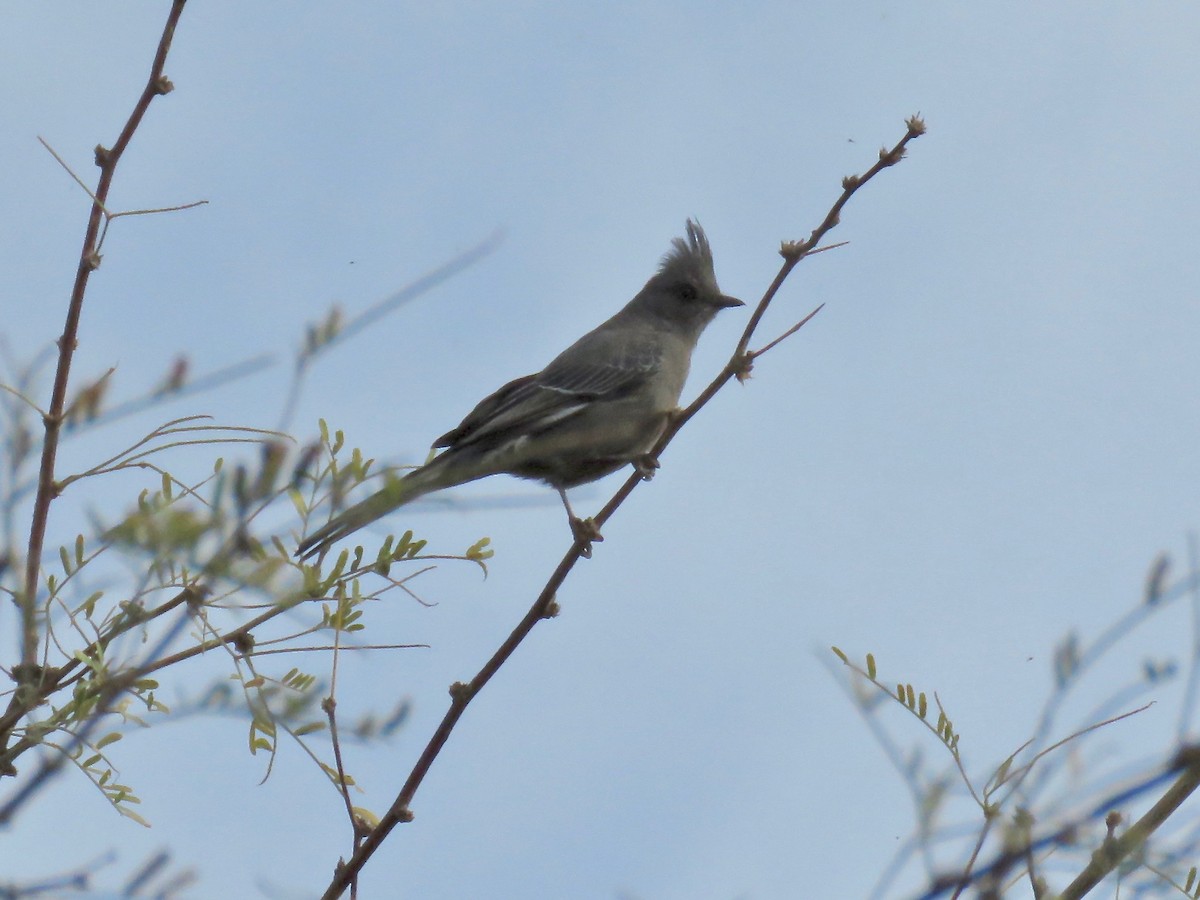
[(346, 874), (1116, 849)]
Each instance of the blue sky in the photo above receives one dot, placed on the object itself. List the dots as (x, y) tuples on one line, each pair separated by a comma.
[(980, 443)]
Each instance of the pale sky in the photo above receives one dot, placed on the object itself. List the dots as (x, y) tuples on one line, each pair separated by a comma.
[(981, 442)]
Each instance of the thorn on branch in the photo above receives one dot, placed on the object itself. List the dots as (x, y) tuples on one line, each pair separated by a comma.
[(1111, 821)]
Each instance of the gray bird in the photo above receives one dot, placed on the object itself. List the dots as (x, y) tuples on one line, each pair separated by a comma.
[(600, 404)]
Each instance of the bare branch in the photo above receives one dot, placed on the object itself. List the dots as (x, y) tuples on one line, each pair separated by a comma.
[(545, 605)]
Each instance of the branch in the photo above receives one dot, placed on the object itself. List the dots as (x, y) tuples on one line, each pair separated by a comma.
[(544, 606), (1114, 850), (89, 260)]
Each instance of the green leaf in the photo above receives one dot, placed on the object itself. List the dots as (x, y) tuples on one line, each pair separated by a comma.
[(88, 606), (298, 502), (477, 550), (130, 814)]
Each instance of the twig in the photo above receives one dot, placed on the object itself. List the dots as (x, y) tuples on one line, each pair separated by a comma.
[(373, 314)]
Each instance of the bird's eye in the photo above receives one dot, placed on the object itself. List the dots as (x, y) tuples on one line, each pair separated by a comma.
[(687, 291)]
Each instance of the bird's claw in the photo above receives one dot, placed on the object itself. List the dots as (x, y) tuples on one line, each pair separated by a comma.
[(586, 533), (646, 466)]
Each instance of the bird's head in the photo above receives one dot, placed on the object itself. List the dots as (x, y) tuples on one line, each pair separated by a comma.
[(684, 291)]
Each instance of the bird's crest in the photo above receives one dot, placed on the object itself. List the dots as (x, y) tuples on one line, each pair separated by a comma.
[(690, 257)]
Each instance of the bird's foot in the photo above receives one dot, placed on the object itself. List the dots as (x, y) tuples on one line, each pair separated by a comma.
[(646, 466), (586, 533)]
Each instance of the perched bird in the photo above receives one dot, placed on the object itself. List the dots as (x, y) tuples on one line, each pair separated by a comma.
[(600, 404)]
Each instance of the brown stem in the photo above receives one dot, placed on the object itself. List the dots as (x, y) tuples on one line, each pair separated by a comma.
[(89, 259), (346, 874)]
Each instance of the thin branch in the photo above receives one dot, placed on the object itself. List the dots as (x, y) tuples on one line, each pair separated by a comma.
[(545, 606), (371, 315), (89, 260), (328, 647), (754, 354), (203, 383), (79, 181), (37, 409), (158, 209)]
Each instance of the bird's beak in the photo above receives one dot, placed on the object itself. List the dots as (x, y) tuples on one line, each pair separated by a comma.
[(727, 302)]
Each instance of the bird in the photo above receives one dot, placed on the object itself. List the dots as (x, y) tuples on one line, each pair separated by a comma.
[(599, 405)]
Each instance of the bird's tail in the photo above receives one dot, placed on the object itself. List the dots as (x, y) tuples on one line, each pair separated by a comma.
[(394, 494)]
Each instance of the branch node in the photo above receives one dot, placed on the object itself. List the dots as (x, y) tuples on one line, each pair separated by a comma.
[(244, 643), (163, 85), (892, 156), (405, 815), (461, 692), (792, 251), (552, 609), (742, 366), (194, 595), (91, 261)]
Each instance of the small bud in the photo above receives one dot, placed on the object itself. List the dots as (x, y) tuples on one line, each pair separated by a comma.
[(244, 643)]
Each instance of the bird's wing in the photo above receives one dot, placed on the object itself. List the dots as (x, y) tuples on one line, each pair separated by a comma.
[(588, 372)]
